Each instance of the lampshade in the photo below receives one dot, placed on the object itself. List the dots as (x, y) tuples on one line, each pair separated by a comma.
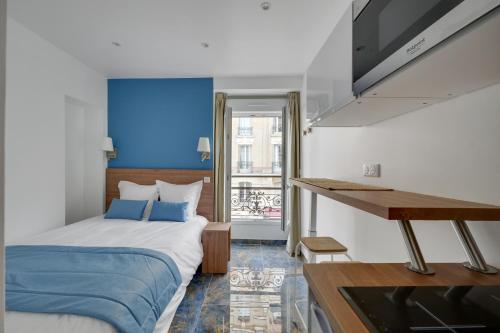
[(107, 144), (203, 145)]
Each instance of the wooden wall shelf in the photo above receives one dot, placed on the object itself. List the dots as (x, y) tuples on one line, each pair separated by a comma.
[(399, 205), (403, 207)]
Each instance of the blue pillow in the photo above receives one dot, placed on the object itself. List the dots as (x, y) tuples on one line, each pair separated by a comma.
[(126, 209), (169, 211)]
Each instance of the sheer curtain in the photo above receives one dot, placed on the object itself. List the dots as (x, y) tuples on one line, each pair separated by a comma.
[(219, 163), (293, 110)]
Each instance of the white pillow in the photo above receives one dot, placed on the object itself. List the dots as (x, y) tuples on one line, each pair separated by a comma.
[(189, 193), (133, 191)]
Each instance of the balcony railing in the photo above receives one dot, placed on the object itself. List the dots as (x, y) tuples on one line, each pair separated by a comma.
[(245, 131), (245, 166), (256, 203)]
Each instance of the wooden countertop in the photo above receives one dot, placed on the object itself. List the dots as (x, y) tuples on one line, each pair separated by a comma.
[(399, 205), (335, 185), (323, 279)]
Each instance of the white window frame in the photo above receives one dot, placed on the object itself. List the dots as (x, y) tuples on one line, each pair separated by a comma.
[(247, 106)]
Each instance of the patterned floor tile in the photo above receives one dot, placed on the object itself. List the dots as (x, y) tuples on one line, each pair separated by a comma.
[(254, 296), (246, 256), (214, 319), (219, 292), (246, 242), (189, 310), (273, 242), (276, 256)]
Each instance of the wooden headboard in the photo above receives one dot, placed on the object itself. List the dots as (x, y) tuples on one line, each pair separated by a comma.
[(174, 176)]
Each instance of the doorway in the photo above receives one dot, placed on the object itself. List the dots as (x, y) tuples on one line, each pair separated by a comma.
[(256, 167), (75, 161), (84, 160)]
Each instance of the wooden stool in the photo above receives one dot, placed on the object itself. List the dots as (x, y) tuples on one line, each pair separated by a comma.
[(316, 246), (321, 246)]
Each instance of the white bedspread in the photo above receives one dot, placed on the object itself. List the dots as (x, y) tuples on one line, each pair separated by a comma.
[(181, 241)]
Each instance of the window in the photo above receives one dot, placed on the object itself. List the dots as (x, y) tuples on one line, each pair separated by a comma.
[(277, 125), (244, 190), (256, 166), (276, 158), (245, 160), (245, 127)]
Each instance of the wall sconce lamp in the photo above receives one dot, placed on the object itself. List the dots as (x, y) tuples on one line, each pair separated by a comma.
[(107, 146), (204, 148)]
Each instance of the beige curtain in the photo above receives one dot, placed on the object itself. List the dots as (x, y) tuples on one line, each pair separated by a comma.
[(219, 163), (293, 110)]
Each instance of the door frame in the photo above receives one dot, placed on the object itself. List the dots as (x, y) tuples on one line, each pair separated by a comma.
[(256, 104)]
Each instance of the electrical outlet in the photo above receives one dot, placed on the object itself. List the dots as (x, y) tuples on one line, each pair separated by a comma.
[(366, 170), (206, 179), (371, 170)]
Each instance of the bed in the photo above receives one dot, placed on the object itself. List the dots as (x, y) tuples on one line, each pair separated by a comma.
[(180, 241)]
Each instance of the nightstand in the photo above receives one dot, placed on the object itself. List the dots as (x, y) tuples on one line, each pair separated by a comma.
[(216, 241)]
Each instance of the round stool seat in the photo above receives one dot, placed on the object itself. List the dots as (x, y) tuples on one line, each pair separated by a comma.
[(323, 244)]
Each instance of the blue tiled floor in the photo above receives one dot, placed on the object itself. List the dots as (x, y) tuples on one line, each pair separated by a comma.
[(253, 297)]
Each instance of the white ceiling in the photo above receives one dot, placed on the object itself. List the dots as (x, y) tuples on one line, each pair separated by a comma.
[(162, 38)]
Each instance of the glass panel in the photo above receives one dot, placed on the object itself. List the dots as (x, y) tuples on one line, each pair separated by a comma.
[(276, 158), (245, 159), (256, 303), (256, 168), (384, 26), (256, 198), (277, 125), (392, 19), (245, 127)]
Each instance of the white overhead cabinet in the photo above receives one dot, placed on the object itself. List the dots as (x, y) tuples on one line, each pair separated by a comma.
[(329, 77), (437, 64)]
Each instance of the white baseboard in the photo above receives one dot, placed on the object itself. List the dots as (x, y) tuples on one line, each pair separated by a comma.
[(263, 231)]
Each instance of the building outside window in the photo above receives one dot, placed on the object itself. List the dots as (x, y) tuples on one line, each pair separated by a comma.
[(245, 159), (256, 167), (277, 126), (245, 127), (276, 166)]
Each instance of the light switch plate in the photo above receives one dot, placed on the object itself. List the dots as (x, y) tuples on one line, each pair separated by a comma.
[(206, 179), (371, 170)]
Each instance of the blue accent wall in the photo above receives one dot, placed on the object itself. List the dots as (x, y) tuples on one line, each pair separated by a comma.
[(156, 123)]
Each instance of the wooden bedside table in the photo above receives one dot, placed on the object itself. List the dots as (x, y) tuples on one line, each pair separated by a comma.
[(216, 241)]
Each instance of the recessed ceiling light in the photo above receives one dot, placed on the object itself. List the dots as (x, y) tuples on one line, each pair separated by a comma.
[(266, 5), (116, 44), (205, 45)]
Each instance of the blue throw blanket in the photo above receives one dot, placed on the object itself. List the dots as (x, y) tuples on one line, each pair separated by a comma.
[(127, 287)]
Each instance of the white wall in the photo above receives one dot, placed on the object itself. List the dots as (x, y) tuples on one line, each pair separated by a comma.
[(75, 162), (39, 79), (257, 84), (450, 149), (3, 26)]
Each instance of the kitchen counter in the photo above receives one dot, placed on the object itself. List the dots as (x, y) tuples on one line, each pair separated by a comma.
[(325, 278)]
